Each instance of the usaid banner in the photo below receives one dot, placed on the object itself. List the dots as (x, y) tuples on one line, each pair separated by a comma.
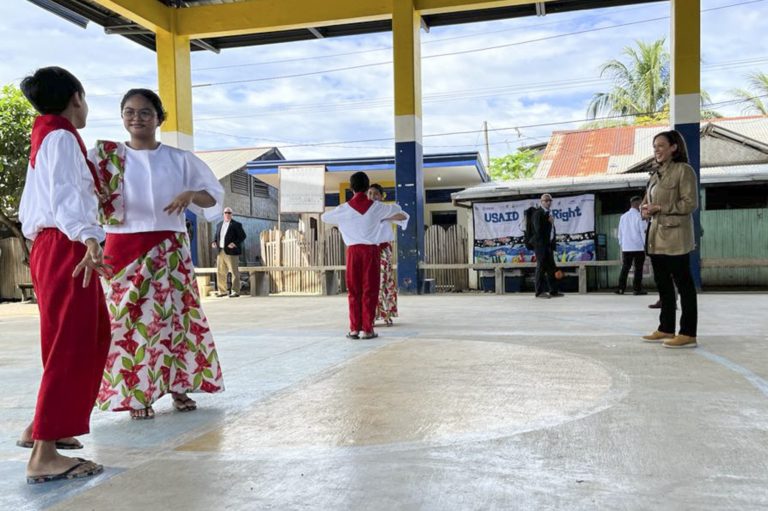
[(499, 228)]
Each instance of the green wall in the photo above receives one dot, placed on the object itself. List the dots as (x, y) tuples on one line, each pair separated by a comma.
[(730, 233)]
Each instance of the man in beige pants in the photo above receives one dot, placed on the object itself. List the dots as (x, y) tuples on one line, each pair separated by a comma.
[(228, 240)]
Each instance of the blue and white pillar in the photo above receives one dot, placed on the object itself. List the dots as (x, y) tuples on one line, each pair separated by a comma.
[(409, 179)]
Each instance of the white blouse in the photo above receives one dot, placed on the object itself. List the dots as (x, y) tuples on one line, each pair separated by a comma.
[(59, 192), (153, 178), (357, 229)]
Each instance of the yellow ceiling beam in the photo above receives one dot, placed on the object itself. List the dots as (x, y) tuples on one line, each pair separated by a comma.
[(426, 7), (150, 14), (255, 16)]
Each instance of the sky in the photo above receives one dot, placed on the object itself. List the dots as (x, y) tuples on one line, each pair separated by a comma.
[(524, 77)]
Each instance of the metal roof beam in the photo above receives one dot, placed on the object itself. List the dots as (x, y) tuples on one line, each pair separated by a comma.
[(150, 14), (426, 7)]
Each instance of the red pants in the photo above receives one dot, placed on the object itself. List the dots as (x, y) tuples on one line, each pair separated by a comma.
[(74, 337), (363, 286)]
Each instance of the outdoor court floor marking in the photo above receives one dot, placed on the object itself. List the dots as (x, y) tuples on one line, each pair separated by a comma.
[(426, 391), (754, 380)]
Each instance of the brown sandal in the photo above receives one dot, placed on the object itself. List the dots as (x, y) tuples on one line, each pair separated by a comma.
[(184, 404), (143, 414)]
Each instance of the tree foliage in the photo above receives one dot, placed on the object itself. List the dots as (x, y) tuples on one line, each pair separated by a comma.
[(518, 165), (16, 119), (755, 96), (641, 87)]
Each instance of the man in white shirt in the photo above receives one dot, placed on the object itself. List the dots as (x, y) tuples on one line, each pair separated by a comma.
[(359, 221), (632, 230)]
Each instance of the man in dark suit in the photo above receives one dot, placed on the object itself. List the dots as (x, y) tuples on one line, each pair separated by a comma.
[(543, 240), (228, 240)]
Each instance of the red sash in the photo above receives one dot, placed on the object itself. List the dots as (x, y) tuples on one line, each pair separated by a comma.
[(44, 125), (360, 203), (120, 250)]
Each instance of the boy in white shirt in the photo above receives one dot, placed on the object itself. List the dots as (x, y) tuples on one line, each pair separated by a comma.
[(359, 221), (59, 213)]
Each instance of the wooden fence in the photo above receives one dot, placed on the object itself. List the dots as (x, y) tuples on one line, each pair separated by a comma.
[(447, 246), (336, 254), (291, 249), (12, 271)]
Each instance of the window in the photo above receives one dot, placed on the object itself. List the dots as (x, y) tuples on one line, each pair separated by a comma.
[(259, 188), (444, 218), (752, 196), (238, 181), (613, 203)]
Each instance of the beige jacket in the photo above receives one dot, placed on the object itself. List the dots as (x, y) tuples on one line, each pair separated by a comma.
[(674, 188)]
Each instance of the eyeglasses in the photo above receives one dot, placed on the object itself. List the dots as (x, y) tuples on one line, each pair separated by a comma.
[(227, 212), (144, 114), (546, 200)]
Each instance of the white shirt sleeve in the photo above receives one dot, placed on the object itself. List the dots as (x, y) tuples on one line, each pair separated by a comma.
[(390, 210), (622, 221), (403, 224), (199, 177), (333, 216), (73, 199)]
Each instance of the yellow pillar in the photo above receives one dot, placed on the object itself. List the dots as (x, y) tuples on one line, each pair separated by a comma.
[(406, 27), (686, 58), (174, 74)]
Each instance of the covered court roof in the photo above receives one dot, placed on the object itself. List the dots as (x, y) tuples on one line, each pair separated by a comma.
[(83, 11), (452, 170)]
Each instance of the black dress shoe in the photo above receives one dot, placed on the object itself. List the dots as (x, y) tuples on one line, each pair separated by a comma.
[(656, 305), (543, 295), (619, 292), (640, 293), (556, 295)]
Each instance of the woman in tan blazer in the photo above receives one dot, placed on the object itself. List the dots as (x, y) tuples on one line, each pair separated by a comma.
[(670, 200)]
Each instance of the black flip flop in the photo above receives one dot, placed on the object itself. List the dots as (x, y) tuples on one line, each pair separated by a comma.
[(350, 335), (67, 474), (61, 446)]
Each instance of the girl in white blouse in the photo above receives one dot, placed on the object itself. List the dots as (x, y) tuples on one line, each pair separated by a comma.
[(161, 341)]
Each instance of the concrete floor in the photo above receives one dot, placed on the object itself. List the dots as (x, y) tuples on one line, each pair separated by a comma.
[(470, 402)]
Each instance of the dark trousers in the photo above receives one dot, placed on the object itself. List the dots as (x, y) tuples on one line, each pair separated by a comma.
[(545, 269), (628, 259), (668, 272)]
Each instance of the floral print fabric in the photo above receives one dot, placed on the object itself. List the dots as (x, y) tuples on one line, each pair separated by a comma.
[(161, 341), (109, 158), (387, 307)]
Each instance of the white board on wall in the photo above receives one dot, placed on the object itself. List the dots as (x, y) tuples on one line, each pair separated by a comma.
[(302, 189)]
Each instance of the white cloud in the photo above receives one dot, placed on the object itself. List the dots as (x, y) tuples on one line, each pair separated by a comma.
[(515, 86)]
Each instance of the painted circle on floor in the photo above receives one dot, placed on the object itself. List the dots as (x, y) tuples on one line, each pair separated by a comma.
[(426, 391)]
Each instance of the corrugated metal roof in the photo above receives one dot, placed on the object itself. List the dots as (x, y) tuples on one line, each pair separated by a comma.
[(225, 162), (615, 150), (527, 187)]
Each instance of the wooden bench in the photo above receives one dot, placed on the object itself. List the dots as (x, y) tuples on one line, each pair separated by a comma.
[(259, 278), (27, 293), (498, 269)]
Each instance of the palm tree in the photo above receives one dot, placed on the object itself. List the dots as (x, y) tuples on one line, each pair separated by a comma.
[(758, 83), (640, 87)]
